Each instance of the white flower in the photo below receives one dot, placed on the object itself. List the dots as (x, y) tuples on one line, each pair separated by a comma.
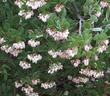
[(69, 53), (103, 46), (80, 80), (87, 47), (58, 8), (106, 42), (76, 62), (61, 35), (51, 32), (57, 35), (98, 14), (19, 45), (103, 4), (101, 49), (28, 90), (86, 61), (11, 50), (43, 17), (91, 73), (2, 40), (4, 47), (48, 85), (15, 52), (35, 81), (34, 57), (55, 67), (24, 65), (18, 84), (53, 53), (26, 14), (33, 43), (34, 4), (19, 3)]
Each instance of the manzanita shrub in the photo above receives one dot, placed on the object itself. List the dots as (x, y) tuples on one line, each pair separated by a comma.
[(54, 48)]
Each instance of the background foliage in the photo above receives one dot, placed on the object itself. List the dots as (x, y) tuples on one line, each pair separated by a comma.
[(93, 30)]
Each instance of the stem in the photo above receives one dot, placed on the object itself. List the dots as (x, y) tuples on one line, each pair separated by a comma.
[(80, 27), (79, 17)]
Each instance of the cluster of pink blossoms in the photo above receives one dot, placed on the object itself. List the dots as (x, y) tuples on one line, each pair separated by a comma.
[(15, 49), (87, 47), (2, 40), (91, 73), (103, 45), (103, 4), (66, 54), (57, 35), (48, 85), (27, 89), (33, 4), (24, 65), (55, 67), (34, 57), (43, 17), (77, 62), (35, 81), (78, 80), (33, 43), (58, 8)]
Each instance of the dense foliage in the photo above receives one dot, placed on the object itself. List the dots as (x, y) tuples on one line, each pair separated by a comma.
[(54, 48)]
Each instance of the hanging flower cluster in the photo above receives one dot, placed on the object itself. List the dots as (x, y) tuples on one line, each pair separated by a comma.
[(48, 85), (55, 67), (103, 4), (91, 73), (34, 57), (33, 4), (28, 90), (43, 17), (35, 81), (76, 62), (103, 46), (24, 65), (58, 7), (33, 43), (58, 35), (18, 84), (2, 40), (15, 49), (87, 47), (80, 80), (26, 13), (66, 54)]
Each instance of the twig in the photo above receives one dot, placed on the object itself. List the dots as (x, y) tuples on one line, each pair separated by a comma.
[(80, 26), (79, 17)]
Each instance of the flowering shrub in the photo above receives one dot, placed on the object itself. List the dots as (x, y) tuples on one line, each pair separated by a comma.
[(54, 48)]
